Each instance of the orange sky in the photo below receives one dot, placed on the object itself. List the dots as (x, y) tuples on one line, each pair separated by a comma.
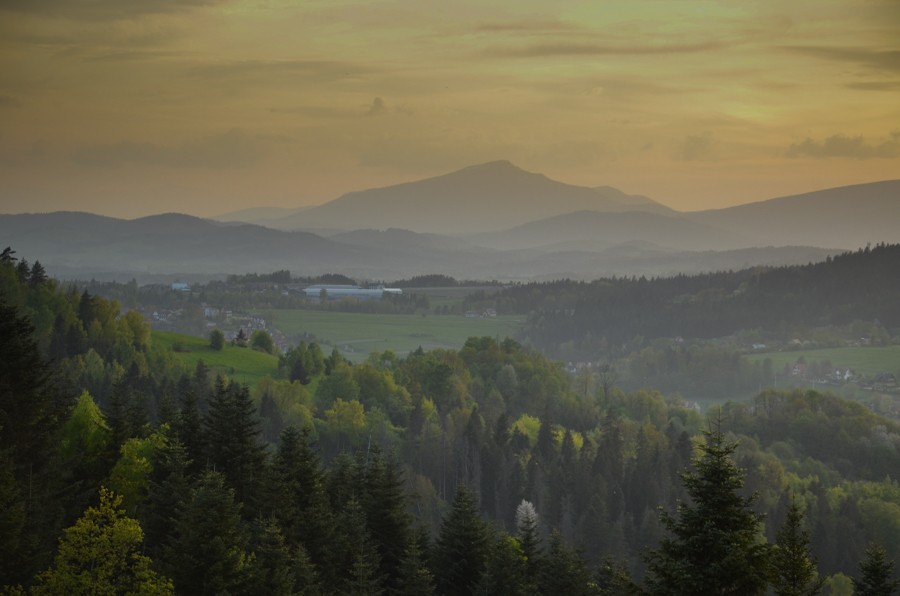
[(199, 106)]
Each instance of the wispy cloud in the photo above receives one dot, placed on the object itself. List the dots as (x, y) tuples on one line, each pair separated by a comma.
[(101, 10), (319, 70), (874, 86), (528, 27), (230, 149), (9, 101), (845, 146), (592, 49), (696, 147), (876, 59)]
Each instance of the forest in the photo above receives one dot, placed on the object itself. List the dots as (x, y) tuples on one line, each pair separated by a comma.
[(579, 320), (484, 470)]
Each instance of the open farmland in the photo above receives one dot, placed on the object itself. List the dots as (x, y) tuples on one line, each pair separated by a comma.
[(240, 364), (357, 335), (865, 360)]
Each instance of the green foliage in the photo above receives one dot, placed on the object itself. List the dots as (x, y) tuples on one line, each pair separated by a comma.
[(101, 554), (261, 340), (130, 477)]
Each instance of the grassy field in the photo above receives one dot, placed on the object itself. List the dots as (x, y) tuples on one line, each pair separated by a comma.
[(240, 364), (357, 335), (865, 360)]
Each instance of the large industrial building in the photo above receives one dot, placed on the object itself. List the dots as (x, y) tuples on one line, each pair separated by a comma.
[(336, 292)]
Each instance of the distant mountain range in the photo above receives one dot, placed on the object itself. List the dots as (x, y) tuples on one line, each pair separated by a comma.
[(489, 221), (480, 198)]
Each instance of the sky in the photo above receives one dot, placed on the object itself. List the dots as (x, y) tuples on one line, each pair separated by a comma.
[(129, 108)]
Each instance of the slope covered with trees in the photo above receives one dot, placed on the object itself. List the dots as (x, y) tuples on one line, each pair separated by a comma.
[(448, 471)]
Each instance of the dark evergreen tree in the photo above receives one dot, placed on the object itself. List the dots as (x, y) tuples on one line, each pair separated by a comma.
[(794, 570), (563, 570), (876, 574), (233, 445), (208, 550), (414, 577), (298, 501), (356, 561), (168, 491), (714, 544), (461, 552), (31, 410), (384, 503)]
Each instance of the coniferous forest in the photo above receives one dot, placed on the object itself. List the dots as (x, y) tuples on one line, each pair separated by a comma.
[(483, 470)]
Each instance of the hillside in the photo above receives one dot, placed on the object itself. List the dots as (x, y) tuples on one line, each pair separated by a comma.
[(846, 217), (595, 231)]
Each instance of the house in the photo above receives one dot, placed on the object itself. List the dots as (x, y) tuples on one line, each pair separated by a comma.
[(180, 287)]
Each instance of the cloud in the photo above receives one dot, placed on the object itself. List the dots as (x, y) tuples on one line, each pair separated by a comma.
[(844, 146), (101, 10), (318, 70), (590, 49), (876, 59), (696, 147), (9, 101), (874, 86), (377, 107), (226, 150), (529, 27)]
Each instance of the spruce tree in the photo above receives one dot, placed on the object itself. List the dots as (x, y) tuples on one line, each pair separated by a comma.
[(462, 547), (794, 570), (714, 544), (385, 504), (298, 501), (233, 442), (414, 577), (876, 574), (207, 553)]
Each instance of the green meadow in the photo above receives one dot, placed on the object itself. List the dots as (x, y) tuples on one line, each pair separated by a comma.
[(866, 360), (357, 335), (240, 364)]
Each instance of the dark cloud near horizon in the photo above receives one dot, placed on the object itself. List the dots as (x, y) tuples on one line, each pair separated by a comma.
[(875, 59), (527, 27), (102, 10), (845, 146), (874, 85), (377, 107), (319, 70), (696, 147), (590, 49), (9, 101), (233, 148)]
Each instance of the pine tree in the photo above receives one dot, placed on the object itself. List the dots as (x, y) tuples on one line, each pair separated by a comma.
[(233, 442), (793, 567), (715, 546), (462, 547), (356, 556), (526, 523), (876, 574), (414, 577), (207, 553), (298, 499), (563, 570), (385, 504)]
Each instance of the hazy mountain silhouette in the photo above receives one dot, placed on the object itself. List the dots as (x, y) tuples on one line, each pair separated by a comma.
[(846, 217), (593, 231), (480, 198)]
